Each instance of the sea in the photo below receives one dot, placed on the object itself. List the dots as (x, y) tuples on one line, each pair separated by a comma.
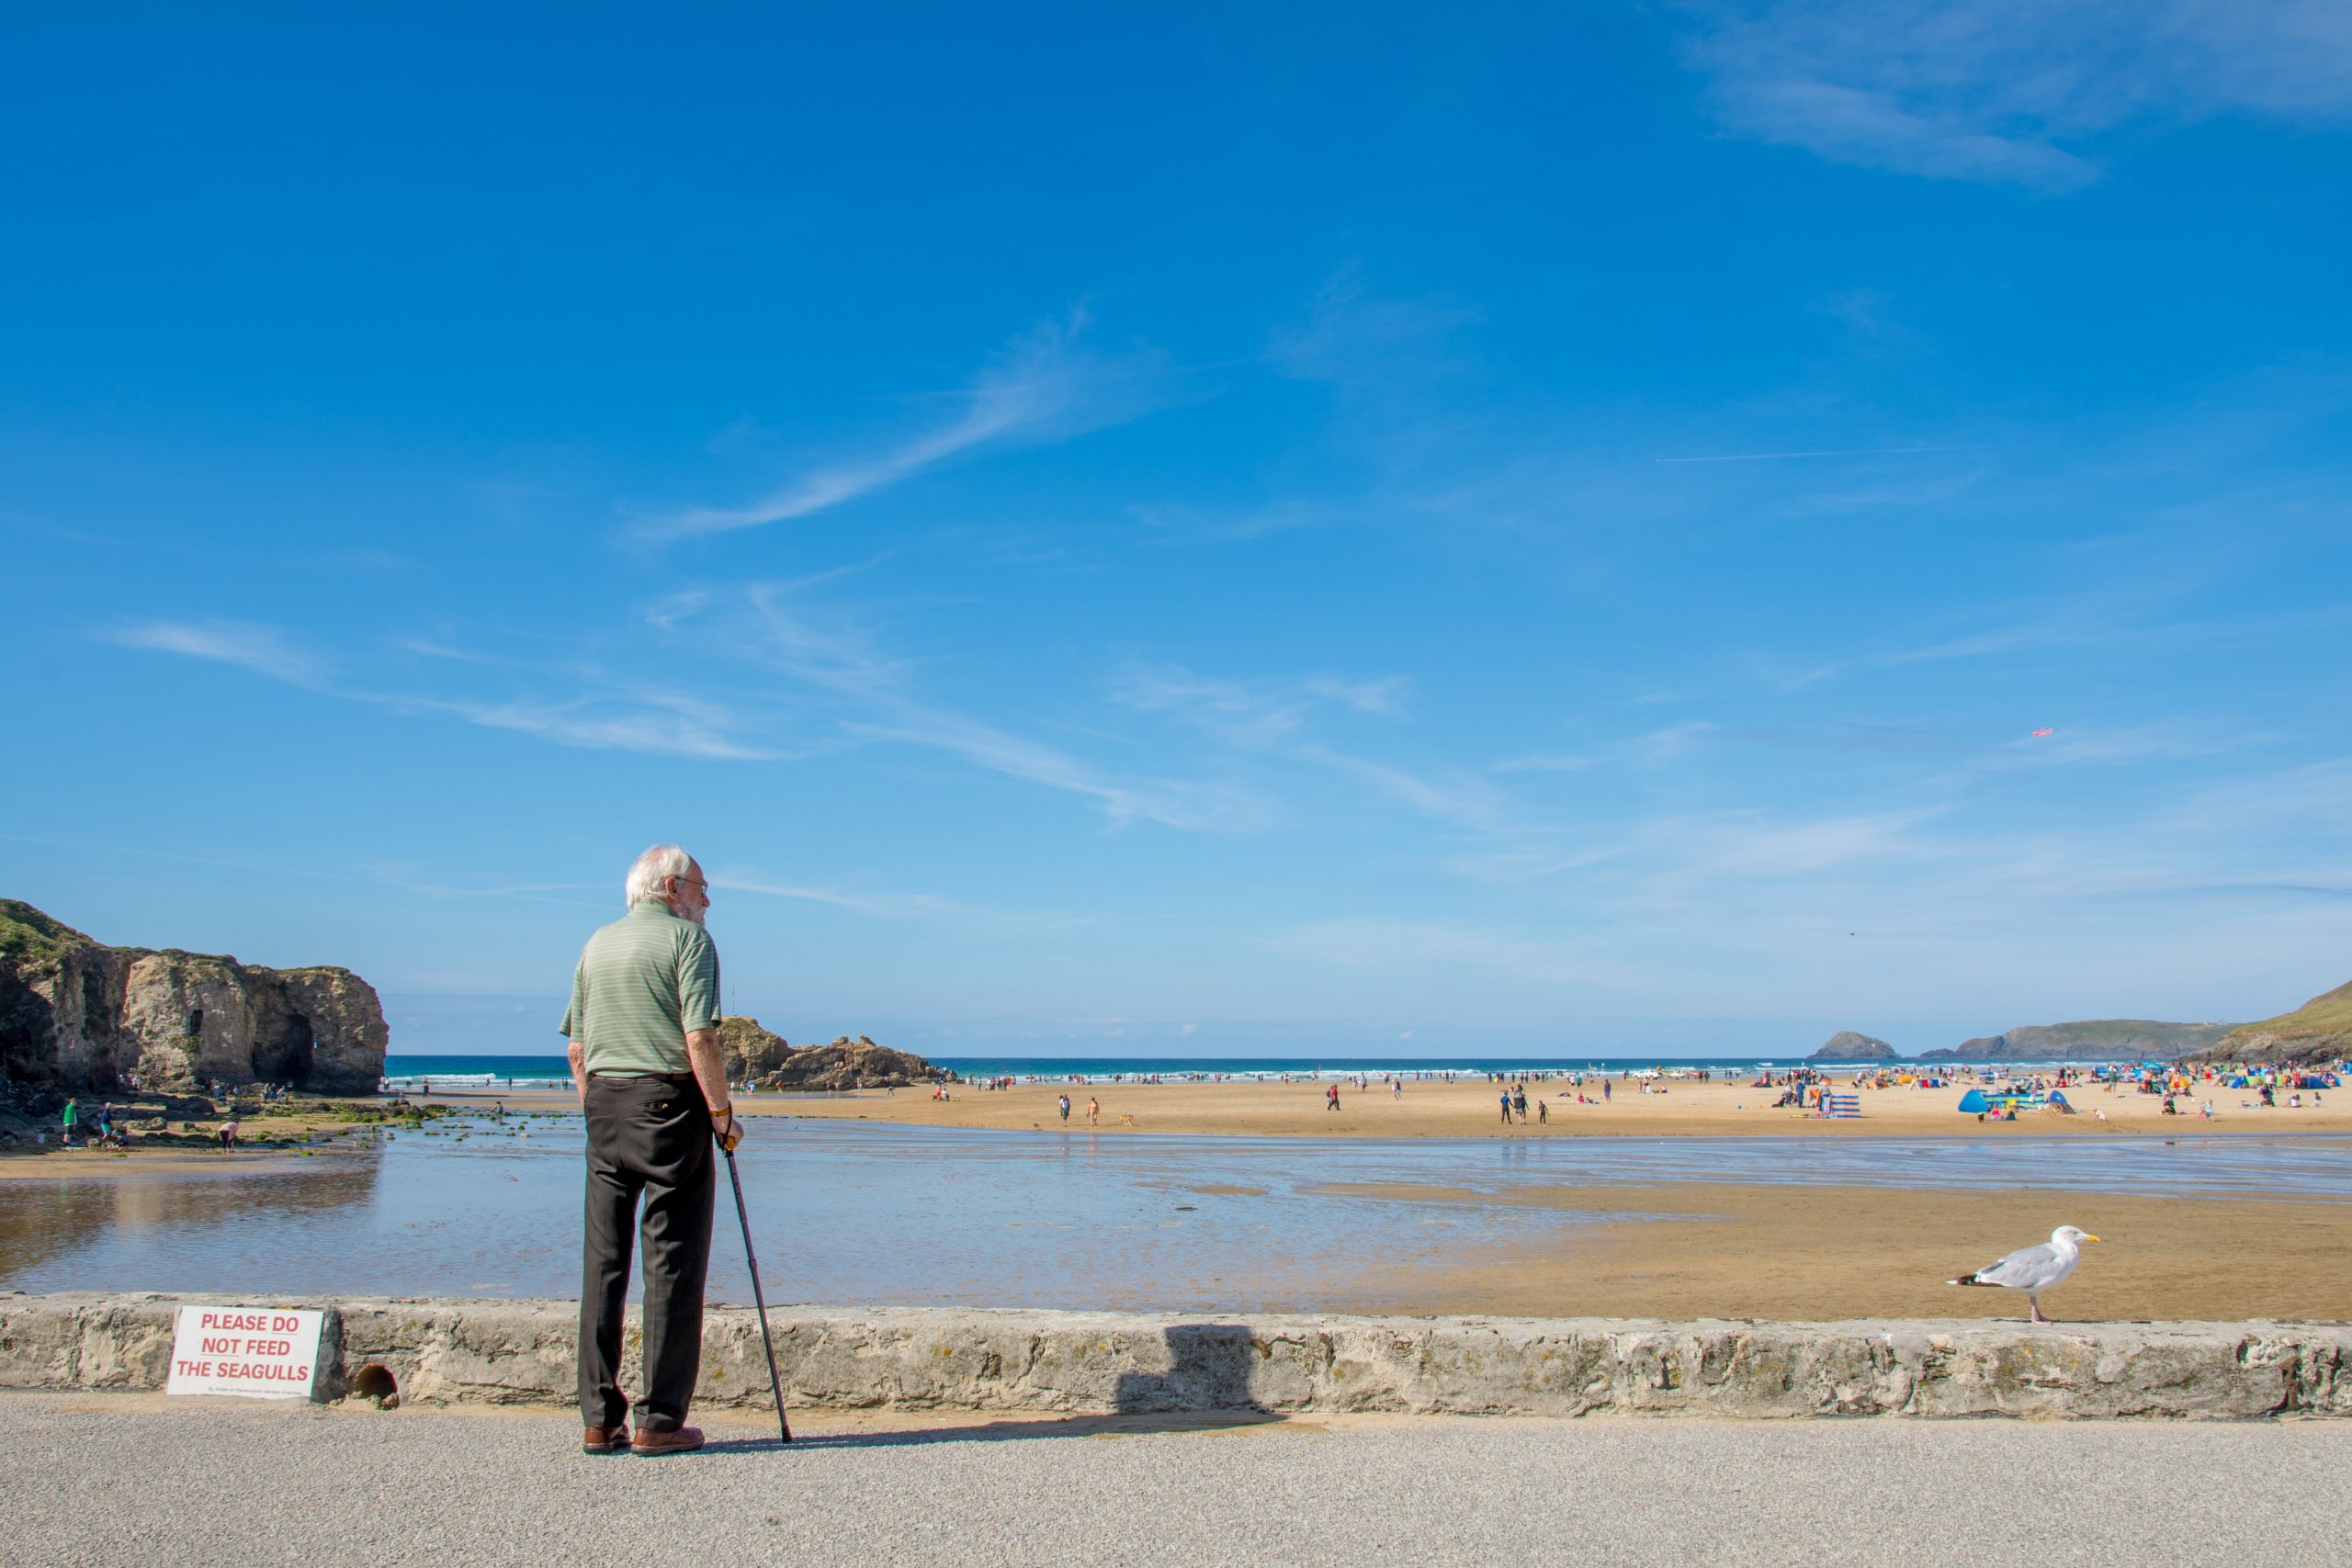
[(413, 1072)]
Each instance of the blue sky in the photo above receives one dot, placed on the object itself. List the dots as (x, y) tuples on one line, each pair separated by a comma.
[(1375, 530)]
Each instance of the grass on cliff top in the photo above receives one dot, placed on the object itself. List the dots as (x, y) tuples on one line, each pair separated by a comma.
[(2327, 1013), (28, 936), (2104, 1030)]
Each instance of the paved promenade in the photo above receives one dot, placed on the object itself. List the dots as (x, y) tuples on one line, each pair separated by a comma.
[(135, 1479)]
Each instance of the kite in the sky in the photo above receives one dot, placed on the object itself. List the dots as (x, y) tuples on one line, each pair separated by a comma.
[(2037, 734)]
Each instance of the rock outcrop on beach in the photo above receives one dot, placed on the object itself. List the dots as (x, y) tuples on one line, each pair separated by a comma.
[(767, 1059), (1848, 1047), (2086, 1040), (750, 1053), (77, 1014), (2319, 1031)]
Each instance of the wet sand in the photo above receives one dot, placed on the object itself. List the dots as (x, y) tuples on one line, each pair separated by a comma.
[(99, 1165), (1811, 1253)]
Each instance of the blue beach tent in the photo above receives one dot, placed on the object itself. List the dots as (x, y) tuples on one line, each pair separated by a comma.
[(1973, 1103)]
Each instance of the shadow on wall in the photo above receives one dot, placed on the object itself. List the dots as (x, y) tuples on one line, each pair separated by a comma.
[(1209, 1366)]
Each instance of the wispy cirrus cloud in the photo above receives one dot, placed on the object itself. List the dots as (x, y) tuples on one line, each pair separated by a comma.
[(1354, 337), (2009, 91), (884, 906), (1045, 386), (829, 651), (1394, 946), (247, 645), (1269, 716), (597, 715), (1253, 713), (1836, 452), (834, 650), (880, 905), (1193, 805), (659, 723), (1652, 748)]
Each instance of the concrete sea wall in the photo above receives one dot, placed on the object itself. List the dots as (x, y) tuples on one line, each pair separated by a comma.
[(503, 1352)]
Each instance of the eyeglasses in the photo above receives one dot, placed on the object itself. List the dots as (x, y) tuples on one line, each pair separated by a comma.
[(693, 882)]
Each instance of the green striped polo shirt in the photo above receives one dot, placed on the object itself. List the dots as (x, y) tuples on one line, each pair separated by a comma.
[(643, 984)]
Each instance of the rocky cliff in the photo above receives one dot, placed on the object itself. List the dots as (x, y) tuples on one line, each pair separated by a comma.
[(2087, 1040), (767, 1059), (1848, 1047), (77, 1014), (2319, 1031)]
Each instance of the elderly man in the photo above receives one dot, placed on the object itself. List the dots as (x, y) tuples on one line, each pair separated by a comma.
[(644, 1031)]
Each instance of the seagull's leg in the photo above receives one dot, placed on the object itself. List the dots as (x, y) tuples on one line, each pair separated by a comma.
[(2035, 1303)]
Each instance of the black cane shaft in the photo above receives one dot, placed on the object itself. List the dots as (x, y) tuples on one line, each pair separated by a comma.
[(759, 1299)]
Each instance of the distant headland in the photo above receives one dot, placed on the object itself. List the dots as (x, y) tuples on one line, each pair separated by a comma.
[(2087, 1040), (2319, 1031)]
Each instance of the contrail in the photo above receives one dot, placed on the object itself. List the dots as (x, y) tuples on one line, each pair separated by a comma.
[(1850, 452)]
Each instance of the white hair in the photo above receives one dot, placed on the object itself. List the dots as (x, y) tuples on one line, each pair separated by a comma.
[(649, 875)]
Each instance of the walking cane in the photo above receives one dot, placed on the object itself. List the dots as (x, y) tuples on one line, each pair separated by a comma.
[(735, 1178)]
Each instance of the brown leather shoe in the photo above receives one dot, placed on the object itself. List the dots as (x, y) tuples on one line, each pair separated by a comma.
[(605, 1441), (684, 1441)]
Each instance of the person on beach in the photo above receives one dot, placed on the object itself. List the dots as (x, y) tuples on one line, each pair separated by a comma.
[(1064, 1104), (229, 1131), (643, 1033), (1332, 1098), (1093, 1110), (65, 1121)]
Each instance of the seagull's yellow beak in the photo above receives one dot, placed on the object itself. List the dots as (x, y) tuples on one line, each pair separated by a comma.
[(2090, 1238)]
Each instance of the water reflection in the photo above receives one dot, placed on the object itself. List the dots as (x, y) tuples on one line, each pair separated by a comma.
[(876, 1214), (156, 1215)]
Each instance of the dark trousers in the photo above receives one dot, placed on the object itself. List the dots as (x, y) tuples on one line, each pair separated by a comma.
[(648, 1138)]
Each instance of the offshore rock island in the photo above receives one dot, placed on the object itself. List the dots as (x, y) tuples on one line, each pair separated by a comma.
[(759, 1056), (1845, 1045), (78, 1015)]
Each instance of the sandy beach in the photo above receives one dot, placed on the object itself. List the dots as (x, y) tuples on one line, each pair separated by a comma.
[(1468, 1110)]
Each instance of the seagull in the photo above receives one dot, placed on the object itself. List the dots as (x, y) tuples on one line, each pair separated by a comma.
[(2034, 1270)]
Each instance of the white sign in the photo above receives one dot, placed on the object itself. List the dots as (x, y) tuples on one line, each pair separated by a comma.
[(264, 1352)]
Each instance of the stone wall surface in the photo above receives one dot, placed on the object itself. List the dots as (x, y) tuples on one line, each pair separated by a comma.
[(498, 1352)]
